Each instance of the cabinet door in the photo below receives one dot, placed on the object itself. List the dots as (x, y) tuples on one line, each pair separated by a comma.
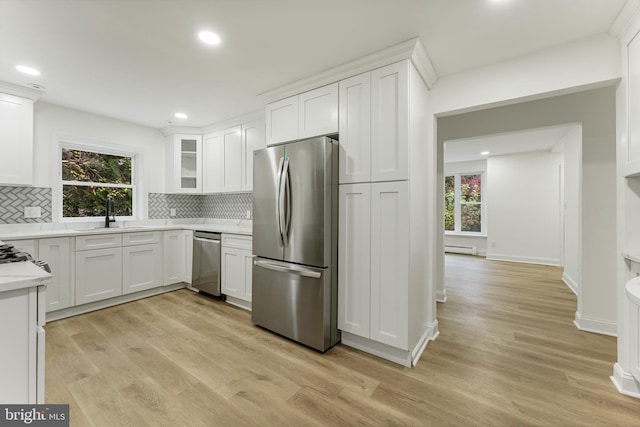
[(18, 358), (355, 129), (187, 250), (141, 267), (16, 139), (98, 275), (390, 122), (318, 111), (390, 263), (282, 121), (184, 163), (212, 163), (232, 159), (354, 265), (247, 257), (252, 140), (232, 272), (57, 252), (174, 257)]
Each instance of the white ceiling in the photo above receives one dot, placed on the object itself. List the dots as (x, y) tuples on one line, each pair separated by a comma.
[(140, 60), (542, 139)]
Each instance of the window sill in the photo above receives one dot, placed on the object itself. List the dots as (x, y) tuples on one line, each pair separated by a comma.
[(460, 233)]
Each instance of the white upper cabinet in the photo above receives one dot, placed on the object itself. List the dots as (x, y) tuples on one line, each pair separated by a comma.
[(318, 112), (355, 129), (16, 139), (184, 163), (212, 163), (390, 122), (306, 115), (231, 159), (228, 157), (374, 125), (252, 140), (282, 121)]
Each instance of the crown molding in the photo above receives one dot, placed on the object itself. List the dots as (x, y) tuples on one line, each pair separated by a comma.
[(410, 49), (21, 91), (234, 121), (173, 130), (629, 14)]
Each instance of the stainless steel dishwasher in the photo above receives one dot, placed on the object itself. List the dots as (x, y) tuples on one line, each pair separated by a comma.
[(206, 262)]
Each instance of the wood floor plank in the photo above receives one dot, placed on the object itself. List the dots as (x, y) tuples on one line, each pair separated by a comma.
[(508, 354)]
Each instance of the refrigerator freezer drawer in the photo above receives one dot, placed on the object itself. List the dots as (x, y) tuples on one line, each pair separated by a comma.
[(293, 301)]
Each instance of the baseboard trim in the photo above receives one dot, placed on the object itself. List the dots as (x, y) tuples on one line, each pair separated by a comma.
[(522, 259), (98, 305), (570, 283), (246, 305), (430, 334), (625, 382), (384, 351), (441, 296), (597, 326)]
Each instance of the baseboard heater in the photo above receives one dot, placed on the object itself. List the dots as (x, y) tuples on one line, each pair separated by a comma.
[(469, 250)]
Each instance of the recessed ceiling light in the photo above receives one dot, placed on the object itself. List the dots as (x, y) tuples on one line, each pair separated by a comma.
[(208, 37), (28, 70), (181, 115), (484, 153)]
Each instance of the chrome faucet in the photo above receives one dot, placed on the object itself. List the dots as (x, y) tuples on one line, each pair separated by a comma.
[(109, 209)]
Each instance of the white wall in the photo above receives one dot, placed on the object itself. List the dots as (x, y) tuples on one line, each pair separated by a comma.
[(572, 143), (586, 63), (524, 212), (50, 120), (480, 242)]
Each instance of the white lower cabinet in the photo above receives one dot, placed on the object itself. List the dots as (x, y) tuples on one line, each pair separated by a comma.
[(374, 261), (141, 267), (177, 256), (98, 274), (23, 344), (236, 266), (58, 253)]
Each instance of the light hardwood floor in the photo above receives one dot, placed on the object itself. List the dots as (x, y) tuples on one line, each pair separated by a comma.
[(508, 355)]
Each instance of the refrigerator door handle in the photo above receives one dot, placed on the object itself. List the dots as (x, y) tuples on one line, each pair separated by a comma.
[(301, 271), (287, 201), (279, 198)]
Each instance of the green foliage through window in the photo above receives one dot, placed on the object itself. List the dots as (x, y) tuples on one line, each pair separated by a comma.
[(89, 177), (463, 203)]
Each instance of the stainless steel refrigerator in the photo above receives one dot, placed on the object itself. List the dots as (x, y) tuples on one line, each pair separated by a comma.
[(295, 229)]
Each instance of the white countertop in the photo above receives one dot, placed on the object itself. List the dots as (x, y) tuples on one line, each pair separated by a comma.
[(36, 231), (633, 290), (18, 275)]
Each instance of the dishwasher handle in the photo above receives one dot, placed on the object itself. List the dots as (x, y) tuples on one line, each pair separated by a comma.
[(200, 239)]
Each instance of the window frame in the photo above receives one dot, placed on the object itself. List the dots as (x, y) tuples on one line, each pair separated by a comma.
[(75, 143), (457, 205)]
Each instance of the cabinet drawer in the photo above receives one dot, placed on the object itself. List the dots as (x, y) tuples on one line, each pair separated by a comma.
[(239, 241), (140, 238), (98, 241)]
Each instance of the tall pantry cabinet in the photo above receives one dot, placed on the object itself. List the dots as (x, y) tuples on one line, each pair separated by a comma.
[(383, 285)]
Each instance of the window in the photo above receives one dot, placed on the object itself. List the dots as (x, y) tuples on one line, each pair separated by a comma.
[(463, 208), (91, 174)]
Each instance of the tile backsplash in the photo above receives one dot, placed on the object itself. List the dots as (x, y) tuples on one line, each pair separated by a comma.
[(223, 206), (13, 200)]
